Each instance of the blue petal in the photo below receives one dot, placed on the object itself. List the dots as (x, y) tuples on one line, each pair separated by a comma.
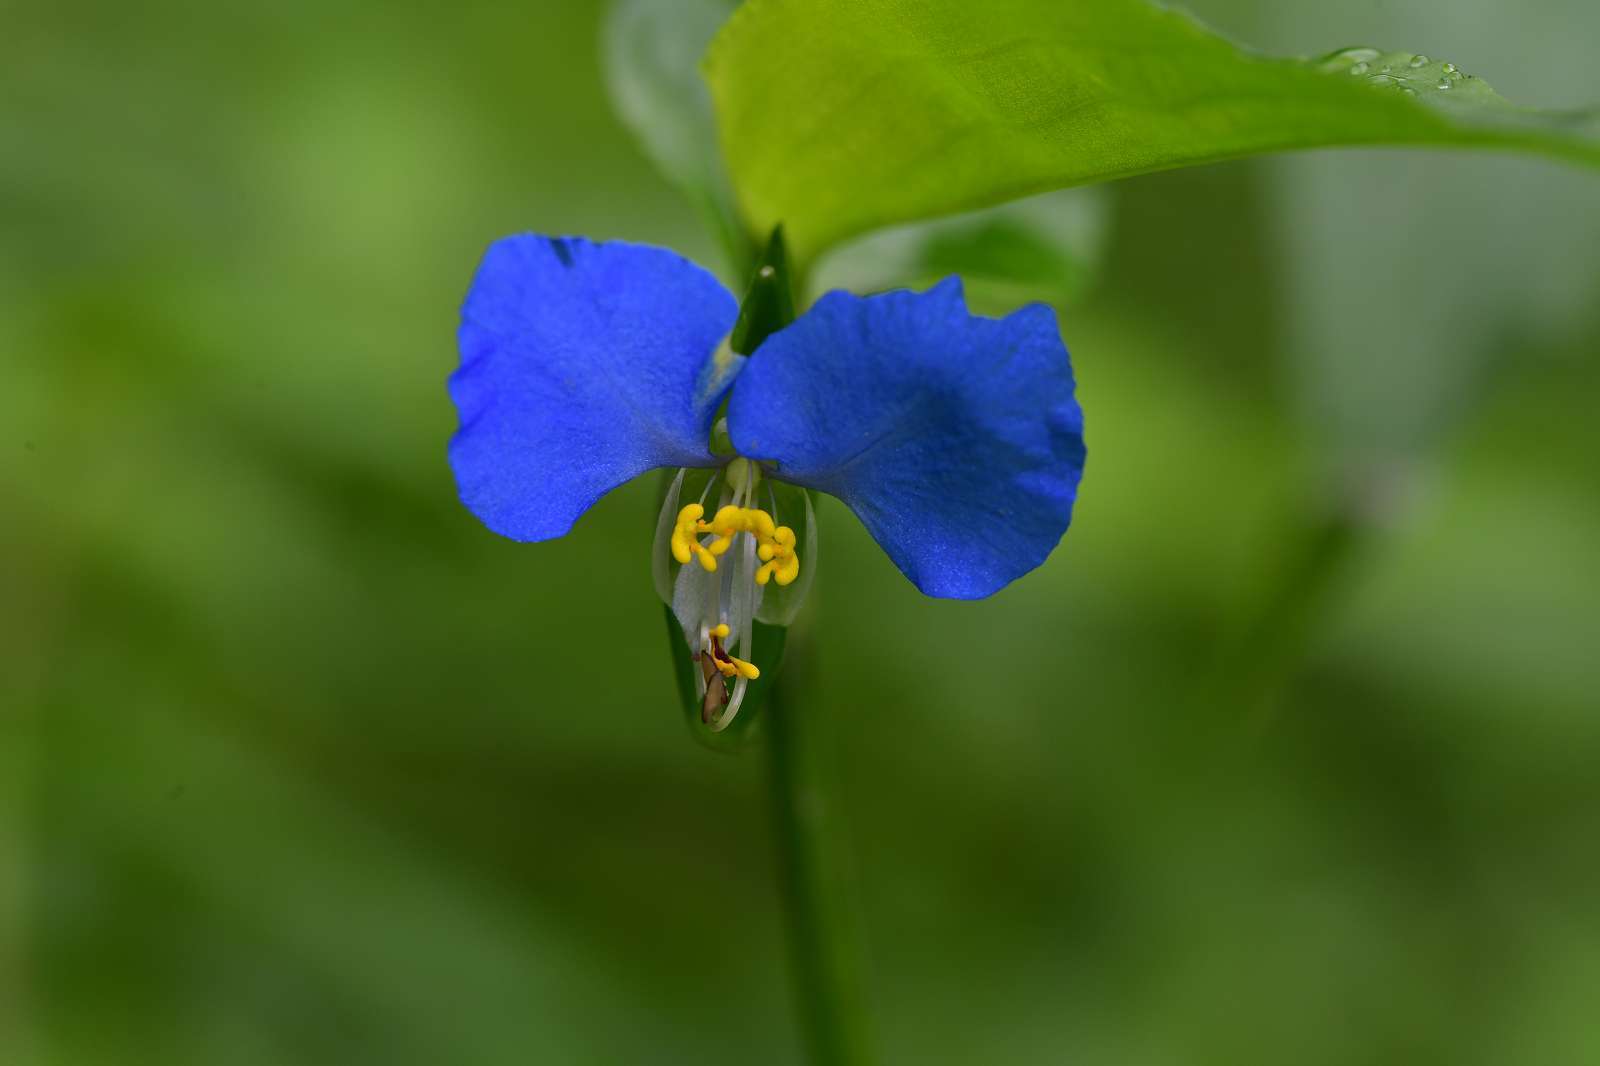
[(956, 439), (582, 366)]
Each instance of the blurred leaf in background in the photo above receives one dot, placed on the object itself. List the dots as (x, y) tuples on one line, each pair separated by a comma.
[(1046, 248), (302, 766), (652, 71)]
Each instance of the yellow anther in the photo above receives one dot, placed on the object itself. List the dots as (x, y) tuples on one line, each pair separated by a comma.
[(683, 532), (788, 570), (778, 558), (728, 521), (686, 538), (774, 543), (731, 666), (727, 665)]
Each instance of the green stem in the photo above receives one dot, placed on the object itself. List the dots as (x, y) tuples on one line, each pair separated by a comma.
[(818, 888)]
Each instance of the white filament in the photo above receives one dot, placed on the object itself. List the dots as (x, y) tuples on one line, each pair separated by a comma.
[(745, 590)]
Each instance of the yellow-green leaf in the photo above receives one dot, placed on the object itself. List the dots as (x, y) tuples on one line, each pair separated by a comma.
[(840, 116)]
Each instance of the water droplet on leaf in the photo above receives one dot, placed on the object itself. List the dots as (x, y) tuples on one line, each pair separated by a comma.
[(1419, 61), (1349, 59)]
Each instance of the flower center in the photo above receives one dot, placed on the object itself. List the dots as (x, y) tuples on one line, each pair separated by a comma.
[(727, 562), (774, 543)]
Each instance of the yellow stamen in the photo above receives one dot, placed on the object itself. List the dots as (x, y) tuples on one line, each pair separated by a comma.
[(682, 531), (728, 520), (774, 543), (779, 559), (686, 538), (728, 665), (738, 666)]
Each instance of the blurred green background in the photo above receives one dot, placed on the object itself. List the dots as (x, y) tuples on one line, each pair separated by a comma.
[(1287, 755)]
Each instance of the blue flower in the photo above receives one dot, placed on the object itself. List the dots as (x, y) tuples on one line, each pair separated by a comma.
[(955, 438)]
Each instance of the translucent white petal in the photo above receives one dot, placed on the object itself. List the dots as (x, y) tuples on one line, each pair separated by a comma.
[(745, 593), (783, 602), (661, 559), (694, 600)]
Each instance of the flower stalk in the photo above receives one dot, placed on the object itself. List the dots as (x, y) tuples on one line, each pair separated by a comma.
[(812, 840), (816, 873)]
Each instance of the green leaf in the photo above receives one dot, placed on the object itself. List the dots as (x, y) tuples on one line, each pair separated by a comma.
[(840, 116), (651, 53)]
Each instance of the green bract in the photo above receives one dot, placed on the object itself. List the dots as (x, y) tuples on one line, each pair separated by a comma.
[(840, 116)]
